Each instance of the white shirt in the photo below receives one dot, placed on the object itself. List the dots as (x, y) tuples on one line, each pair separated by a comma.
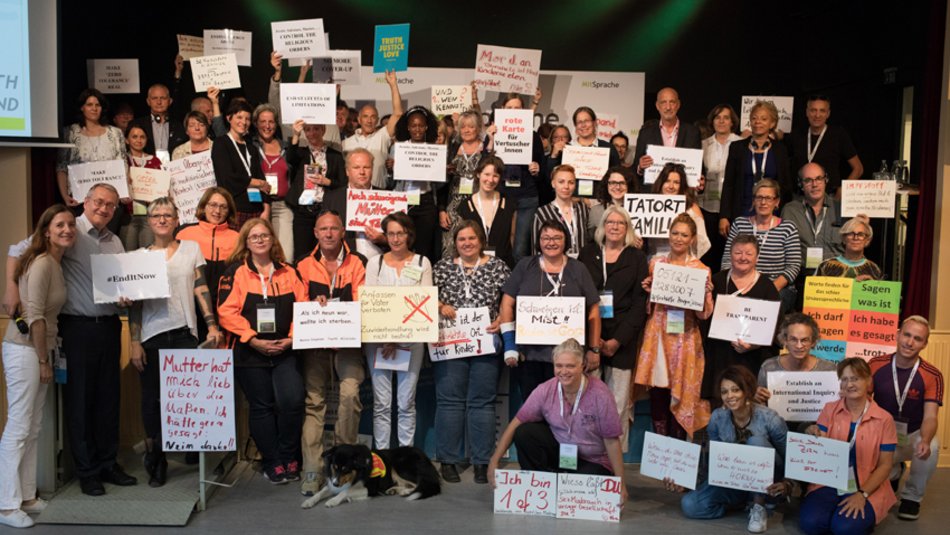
[(77, 269), (178, 310), (377, 144), (715, 155)]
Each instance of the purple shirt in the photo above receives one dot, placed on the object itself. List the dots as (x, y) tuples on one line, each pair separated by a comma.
[(595, 420)]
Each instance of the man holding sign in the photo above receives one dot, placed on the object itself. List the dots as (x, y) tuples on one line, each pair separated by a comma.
[(377, 141), (359, 173), (668, 132)]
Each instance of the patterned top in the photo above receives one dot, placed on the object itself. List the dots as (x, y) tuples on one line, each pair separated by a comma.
[(468, 288), (780, 251), (842, 267), (577, 229), (108, 146)]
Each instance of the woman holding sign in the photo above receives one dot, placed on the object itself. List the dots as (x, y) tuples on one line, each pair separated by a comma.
[(466, 153), (871, 432), (671, 360), (419, 125), (137, 232), (278, 170), (856, 235), (672, 181), (465, 388), (237, 167), (613, 188), (495, 212)]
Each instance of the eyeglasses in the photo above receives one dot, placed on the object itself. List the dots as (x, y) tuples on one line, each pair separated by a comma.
[(849, 380), (394, 235), (259, 238), (99, 203), (216, 206), (615, 223), (856, 235), (816, 180), (764, 198), (552, 239), (161, 216), (616, 184), (799, 341)]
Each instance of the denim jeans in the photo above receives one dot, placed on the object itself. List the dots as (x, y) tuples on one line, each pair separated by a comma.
[(820, 514), (527, 206), (465, 391), (275, 397), (150, 378), (708, 501)]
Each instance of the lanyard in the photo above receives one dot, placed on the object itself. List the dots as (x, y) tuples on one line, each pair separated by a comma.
[(858, 424), (745, 290), (265, 285), (555, 284), (815, 228), (755, 166), (577, 401), (812, 152), (755, 230), (134, 160), (466, 280), (902, 396), (603, 257), (247, 161), (478, 205), (266, 161)]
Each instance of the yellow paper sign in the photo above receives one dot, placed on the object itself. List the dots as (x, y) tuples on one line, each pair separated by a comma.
[(828, 292)]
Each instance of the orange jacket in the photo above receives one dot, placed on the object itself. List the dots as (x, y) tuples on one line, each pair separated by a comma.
[(217, 242), (350, 275)]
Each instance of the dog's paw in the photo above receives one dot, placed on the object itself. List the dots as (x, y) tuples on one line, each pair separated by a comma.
[(392, 491), (339, 500), (414, 496), (308, 504), (406, 491)]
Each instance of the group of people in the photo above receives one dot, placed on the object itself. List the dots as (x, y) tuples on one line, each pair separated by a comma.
[(273, 232)]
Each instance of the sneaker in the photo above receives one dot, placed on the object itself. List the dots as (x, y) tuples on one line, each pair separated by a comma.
[(311, 483), (38, 506), (276, 475), (909, 510), (758, 519), (16, 519), (292, 471)]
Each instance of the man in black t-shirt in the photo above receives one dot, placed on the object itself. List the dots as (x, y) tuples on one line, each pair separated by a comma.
[(827, 145)]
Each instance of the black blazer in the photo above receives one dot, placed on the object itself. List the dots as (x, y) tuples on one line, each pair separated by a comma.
[(176, 132), (740, 160), (687, 138), (298, 158), (231, 174), (630, 300)]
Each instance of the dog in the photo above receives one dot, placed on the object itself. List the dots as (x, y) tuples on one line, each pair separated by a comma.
[(354, 472)]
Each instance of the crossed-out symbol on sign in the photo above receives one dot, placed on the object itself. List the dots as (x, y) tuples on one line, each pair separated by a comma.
[(417, 308)]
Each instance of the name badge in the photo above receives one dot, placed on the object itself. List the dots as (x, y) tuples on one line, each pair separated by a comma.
[(412, 273), (607, 304), (271, 179), (266, 318), (254, 195), (675, 321), (568, 457), (308, 197), (465, 186), (413, 196), (139, 208), (513, 183), (488, 251), (903, 437), (813, 257)]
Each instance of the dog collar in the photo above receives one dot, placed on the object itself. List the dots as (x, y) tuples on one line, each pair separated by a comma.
[(379, 467)]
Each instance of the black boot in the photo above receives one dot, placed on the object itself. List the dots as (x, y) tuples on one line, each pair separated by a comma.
[(160, 475)]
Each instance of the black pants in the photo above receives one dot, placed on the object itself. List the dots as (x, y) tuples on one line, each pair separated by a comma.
[(275, 396), (539, 450), (425, 217), (150, 378), (304, 239), (91, 398), (532, 373)]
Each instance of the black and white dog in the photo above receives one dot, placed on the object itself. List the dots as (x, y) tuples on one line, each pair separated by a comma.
[(354, 472)]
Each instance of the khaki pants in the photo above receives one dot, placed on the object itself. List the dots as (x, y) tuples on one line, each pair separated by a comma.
[(319, 366)]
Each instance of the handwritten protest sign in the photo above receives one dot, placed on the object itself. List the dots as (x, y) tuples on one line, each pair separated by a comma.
[(548, 321), (419, 161), (449, 99), (653, 213), (691, 159), (823, 461), (334, 325), (314, 103), (463, 336), (515, 135), (190, 46), (873, 198), (857, 319), (608, 125), (149, 184), (83, 176), (343, 67), (742, 467), (137, 275), (590, 163), (229, 42), (503, 69), (800, 396), (589, 497), (299, 38), (523, 492), (784, 105), (391, 48), (400, 313), (197, 400), (220, 71), (678, 286), (368, 208), (190, 177), (665, 457), (742, 318), (114, 75)]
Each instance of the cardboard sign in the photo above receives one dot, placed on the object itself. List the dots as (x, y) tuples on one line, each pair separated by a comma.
[(298, 38), (235, 42), (742, 467), (514, 136), (314, 103), (751, 320), (589, 497), (190, 177), (137, 275), (679, 286), (785, 106), (334, 325), (857, 319), (608, 125), (800, 396), (420, 161), (197, 400), (665, 457), (219, 71), (83, 176), (368, 208), (463, 336), (548, 321), (522, 492), (190, 46), (400, 314), (590, 163), (391, 48), (449, 99), (114, 75), (822, 461), (691, 159), (149, 184), (342, 67), (503, 69), (653, 213), (873, 198)]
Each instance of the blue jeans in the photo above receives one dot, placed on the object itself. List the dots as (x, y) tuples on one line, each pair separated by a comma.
[(819, 515), (275, 396), (527, 206), (708, 501), (465, 392)]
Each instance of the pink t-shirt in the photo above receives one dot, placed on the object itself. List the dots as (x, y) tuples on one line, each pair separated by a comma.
[(595, 420)]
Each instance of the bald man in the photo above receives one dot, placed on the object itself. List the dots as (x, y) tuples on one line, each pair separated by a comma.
[(669, 131)]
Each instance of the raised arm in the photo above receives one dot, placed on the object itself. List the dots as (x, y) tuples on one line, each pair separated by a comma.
[(397, 103)]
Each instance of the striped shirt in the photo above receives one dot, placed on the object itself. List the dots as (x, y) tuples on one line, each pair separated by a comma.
[(779, 249), (577, 229)]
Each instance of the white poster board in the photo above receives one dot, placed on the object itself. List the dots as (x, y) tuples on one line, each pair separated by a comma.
[(229, 42), (823, 461), (873, 198), (314, 103), (190, 177), (589, 497), (334, 325), (800, 396), (368, 208), (523, 492), (679, 286), (449, 99), (83, 176), (400, 314), (691, 159), (114, 75), (514, 136), (299, 38), (665, 457), (425, 162), (197, 400), (590, 163), (742, 467), (149, 184), (504, 69), (219, 71), (342, 67), (137, 275), (190, 46), (463, 336), (751, 320), (784, 105), (548, 321), (653, 213)]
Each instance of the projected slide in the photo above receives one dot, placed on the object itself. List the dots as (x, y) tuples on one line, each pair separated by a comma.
[(14, 69)]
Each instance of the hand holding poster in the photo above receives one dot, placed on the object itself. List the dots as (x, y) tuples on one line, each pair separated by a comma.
[(190, 177), (679, 286), (514, 136), (653, 213), (548, 321), (590, 163), (219, 71), (737, 466), (391, 48), (400, 314), (368, 208), (522, 492), (873, 198), (149, 184), (137, 275), (800, 396), (784, 105), (83, 176), (114, 75), (398, 361), (333, 325), (742, 318), (665, 457), (197, 400), (822, 461), (229, 42), (420, 161), (298, 38), (503, 69), (190, 46), (314, 103), (691, 159), (449, 99), (463, 336)]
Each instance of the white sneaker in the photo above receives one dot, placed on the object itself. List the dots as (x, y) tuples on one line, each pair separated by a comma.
[(758, 519), (37, 506), (16, 519)]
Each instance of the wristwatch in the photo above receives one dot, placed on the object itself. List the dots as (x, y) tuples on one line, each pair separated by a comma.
[(595, 350), (865, 494)]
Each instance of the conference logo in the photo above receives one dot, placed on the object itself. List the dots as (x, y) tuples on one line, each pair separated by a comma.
[(400, 81), (594, 84)]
